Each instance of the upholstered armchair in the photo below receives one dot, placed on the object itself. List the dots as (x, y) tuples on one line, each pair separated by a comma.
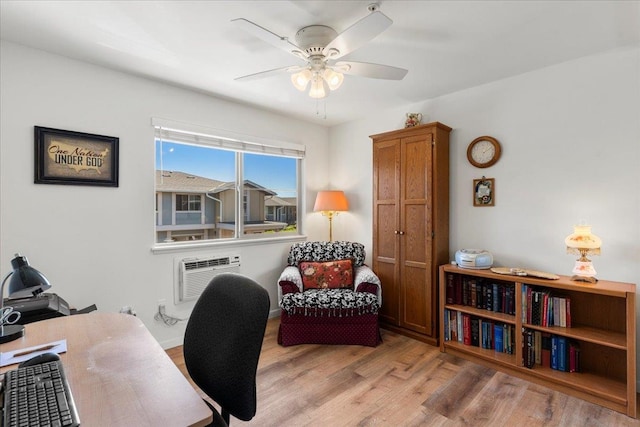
[(328, 296)]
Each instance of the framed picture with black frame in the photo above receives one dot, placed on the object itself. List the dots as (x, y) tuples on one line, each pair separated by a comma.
[(75, 158)]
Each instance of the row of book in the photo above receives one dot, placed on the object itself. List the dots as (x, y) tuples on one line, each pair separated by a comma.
[(551, 351), (480, 293), (541, 308), (479, 332)]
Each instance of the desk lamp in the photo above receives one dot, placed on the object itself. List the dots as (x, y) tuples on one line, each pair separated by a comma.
[(25, 281), (330, 203), (582, 242)]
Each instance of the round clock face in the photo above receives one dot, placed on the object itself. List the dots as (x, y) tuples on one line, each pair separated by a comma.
[(483, 151)]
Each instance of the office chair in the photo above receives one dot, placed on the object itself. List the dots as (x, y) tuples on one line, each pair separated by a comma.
[(222, 344)]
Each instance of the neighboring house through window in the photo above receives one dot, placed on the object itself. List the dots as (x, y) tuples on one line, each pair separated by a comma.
[(215, 187)]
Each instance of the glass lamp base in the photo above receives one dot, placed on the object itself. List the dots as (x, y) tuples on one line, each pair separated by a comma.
[(11, 332)]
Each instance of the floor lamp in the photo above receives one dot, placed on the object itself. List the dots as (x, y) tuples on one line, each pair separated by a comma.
[(25, 281), (330, 203)]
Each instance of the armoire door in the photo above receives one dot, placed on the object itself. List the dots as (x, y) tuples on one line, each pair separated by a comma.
[(415, 234), (386, 195)]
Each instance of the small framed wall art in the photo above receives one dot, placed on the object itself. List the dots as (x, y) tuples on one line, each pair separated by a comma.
[(76, 158), (484, 192)]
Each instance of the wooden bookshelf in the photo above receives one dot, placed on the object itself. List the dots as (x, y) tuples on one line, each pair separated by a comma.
[(603, 317)]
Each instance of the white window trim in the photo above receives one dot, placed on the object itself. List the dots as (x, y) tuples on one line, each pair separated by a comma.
[(236, 142)]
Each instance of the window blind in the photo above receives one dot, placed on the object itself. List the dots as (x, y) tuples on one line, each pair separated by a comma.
[(194, 134)]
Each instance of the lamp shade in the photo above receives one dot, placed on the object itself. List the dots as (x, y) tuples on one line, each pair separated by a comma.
[(331, 200), (25, 280), (583, 239)]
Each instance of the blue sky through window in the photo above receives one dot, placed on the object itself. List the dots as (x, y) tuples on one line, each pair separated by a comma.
[(275, 173)]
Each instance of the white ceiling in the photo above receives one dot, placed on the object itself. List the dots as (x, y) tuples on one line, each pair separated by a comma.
[(447, 46)]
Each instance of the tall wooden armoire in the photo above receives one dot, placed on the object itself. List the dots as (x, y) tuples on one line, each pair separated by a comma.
[(411, 225)]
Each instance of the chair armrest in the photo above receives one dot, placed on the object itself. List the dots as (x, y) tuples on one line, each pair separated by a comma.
[(364, 274), (289, 274)]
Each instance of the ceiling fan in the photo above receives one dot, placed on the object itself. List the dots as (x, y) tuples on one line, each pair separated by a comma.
[(320, 46)]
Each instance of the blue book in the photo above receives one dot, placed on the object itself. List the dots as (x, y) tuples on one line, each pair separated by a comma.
[(498, 338), (562, 354), (554, 352)]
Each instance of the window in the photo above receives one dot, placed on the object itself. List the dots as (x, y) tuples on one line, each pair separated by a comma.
[(212, 186), (187, 202)]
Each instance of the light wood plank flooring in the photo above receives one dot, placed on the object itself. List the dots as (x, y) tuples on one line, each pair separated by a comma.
[(402, 382)]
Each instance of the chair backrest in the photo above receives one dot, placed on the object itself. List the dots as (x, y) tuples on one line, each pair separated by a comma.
[(326, 251), (223, 339)]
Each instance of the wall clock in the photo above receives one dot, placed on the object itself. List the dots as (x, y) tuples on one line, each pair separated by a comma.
[(484, 151)]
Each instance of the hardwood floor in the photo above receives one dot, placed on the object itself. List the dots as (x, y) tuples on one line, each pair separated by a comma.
[(402, 382)]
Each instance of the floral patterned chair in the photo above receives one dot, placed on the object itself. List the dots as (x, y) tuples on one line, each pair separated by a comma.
[(328, 296)]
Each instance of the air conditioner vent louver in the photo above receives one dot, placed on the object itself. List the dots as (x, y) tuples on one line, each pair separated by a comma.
[(192, 265), (196, 273)]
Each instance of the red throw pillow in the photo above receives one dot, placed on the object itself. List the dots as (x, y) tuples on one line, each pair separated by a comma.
[(288, 287), (330, 274)]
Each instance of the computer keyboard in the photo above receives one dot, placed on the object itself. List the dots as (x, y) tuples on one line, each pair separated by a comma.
[(39, 395)]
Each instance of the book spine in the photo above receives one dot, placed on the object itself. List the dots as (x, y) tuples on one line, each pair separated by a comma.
[(466, 329), (572, 357), (554, 352), (475, 331), (546, 350), (562, 354), (498, 333), (450, 288), (473, 291), (563, 312), (568, 312), (457, 295), (465, 291), (447, 334), (556, 311), (537, 341), (488, 296), (459, 325)]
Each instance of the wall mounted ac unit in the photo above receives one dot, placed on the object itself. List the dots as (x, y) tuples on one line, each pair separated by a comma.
[(196, 273)]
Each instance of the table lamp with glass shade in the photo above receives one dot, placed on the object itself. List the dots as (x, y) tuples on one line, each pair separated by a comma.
[(330, 203), (25, 281), (582, 242)]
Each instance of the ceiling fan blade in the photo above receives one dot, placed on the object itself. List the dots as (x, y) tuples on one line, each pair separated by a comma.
[(374, 71), (268, 73), (270, 37), (357, 35)]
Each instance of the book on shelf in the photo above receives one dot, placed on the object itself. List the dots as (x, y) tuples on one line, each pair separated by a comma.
[(475, 331), (546, 350), (554, 352), (574, 357), (473, 292), (498, 334), (562, 354), (537, 343), (541, 308), (466, 329), (450, 290)]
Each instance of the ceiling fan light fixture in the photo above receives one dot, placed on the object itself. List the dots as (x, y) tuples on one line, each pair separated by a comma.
[(317, 87), (333, 79), (301, 80)]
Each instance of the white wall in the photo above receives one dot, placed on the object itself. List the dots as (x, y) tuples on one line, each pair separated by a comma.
[(94, 244), (570, 136)]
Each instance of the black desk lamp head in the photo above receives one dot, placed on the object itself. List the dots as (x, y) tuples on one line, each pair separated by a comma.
[(25, 281)]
